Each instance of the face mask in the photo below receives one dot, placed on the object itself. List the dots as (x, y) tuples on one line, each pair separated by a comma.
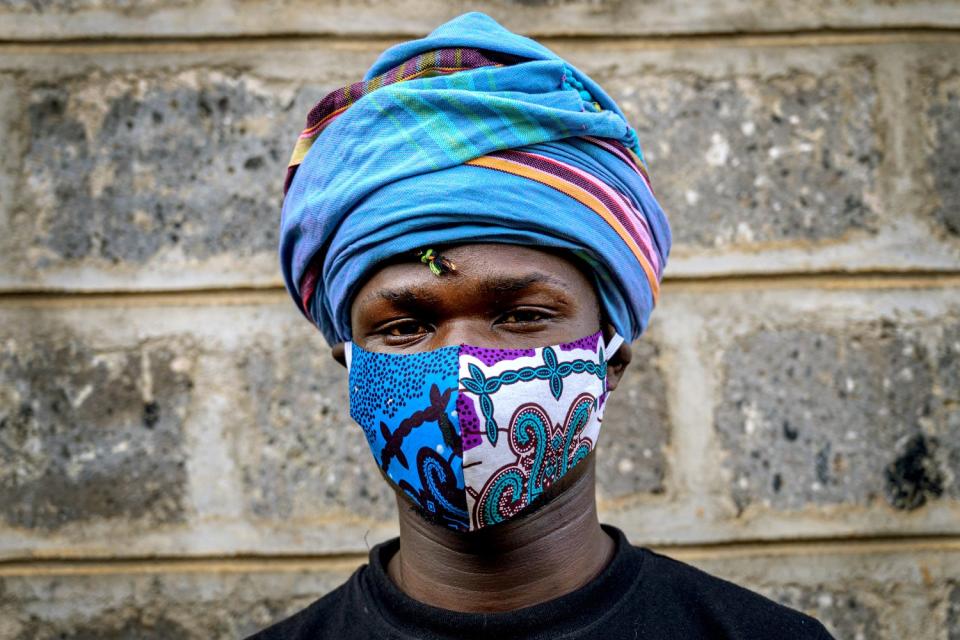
[(472, 435)]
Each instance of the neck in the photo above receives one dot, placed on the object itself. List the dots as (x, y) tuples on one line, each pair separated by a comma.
[(540, 556)]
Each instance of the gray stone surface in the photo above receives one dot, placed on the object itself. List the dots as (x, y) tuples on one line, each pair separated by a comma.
[(177, 429), (941, 118), (168, 174), (750, 159), (89, 433), (301, 454), (72, 18), (41, 7), (953, 612), (636, 428), (859, 591), (849, 612), (853, 416), (153, 606), (187, 162), (10, 136)]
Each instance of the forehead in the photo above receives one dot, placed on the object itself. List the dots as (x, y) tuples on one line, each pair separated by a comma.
[(484, 269)]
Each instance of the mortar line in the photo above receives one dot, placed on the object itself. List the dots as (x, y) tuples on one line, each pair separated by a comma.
[(250, 563), (273, 292), (782, 38)]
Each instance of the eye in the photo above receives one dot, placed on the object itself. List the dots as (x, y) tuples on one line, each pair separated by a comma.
[(404, 328), (523, 316)]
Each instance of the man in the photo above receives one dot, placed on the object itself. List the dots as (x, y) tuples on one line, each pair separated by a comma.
[(472, 230)]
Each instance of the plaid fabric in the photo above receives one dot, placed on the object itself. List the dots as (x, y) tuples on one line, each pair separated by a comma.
[(431, 63)]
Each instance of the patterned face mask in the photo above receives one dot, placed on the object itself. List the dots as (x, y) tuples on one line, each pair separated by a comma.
[(474, 436)]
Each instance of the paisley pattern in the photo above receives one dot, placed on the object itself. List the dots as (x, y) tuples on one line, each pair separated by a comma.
[(530, 419), (438, 495), (551, 370), (545, 453)]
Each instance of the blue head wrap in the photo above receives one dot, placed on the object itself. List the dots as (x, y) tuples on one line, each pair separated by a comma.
[(471, 134)]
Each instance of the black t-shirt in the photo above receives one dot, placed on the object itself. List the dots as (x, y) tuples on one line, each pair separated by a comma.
[(639, 595)]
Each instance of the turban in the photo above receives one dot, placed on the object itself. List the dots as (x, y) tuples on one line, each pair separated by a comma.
[(471, 134)]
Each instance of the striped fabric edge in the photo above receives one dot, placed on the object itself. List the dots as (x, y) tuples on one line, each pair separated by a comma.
[(335, 103), (618, 205), (625, 154), (615, 210), (566, 180)]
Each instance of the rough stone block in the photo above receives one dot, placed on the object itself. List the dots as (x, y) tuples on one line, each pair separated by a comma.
[(631, 455), (863, 414), (152, 605), (953, 612), (10, 161), (184, 165), (91, 432), (859, 593), (152, 171), (846, 613), (217, 429), (751, 158), (855, 609), (939, 86), (212, 429), (220, 425), (301, 454), (125, 170)]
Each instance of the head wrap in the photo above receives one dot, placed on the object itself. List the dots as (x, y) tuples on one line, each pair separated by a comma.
[(471, 134)]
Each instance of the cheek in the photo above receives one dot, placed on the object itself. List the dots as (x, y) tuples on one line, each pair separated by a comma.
[(589, 315)]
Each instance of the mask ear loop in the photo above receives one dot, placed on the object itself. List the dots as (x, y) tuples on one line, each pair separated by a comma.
[(611, 347), (348, 352), (608, 350)]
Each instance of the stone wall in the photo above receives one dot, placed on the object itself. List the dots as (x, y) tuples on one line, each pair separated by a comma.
[(176, 456)]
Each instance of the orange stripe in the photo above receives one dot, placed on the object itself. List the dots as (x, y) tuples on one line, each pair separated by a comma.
[(305, 133), (582, 196)]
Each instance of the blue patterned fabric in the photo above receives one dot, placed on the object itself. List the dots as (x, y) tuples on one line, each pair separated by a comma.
[(389, 175), (405, 404)]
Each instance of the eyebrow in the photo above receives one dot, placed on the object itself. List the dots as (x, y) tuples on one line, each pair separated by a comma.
[(407, 296), (501, 285), (417, 296)]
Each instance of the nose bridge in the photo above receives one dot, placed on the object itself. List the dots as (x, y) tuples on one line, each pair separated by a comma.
[(462, 330)]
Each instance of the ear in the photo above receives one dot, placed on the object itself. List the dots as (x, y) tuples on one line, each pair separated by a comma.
[(618, 363), (339, 354)]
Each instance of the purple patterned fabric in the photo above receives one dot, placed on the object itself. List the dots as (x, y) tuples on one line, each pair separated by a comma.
[(587, 342), (469, 422), (493, 356)]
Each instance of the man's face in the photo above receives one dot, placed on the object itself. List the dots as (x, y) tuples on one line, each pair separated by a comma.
[(500, 296)]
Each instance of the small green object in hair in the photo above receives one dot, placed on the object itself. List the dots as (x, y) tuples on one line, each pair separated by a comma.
[(437, 263)]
